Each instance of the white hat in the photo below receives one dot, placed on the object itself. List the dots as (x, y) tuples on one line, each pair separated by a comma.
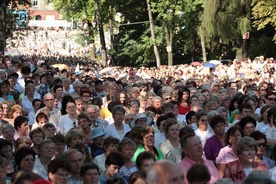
[(140, 116)]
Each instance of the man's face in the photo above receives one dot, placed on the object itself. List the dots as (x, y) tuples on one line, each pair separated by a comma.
[(92, 112), (194, 149), (246, 112), (91, 176), (76, 161), (48, 100)]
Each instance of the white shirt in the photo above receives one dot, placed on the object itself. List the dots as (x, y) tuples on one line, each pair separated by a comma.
[(111, 131), (204, 135), (272, 173), (40, 169), (65, 124)]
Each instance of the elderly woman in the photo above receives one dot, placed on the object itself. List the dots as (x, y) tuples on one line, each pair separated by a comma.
[(73, 137), (27, 100), (7, 132), (238, 170), (171, 130), (228, 153), (84, 124), (248, 125), (147, 135), (217, 141), (134, 92), (183, 100), (46, 151), (118, 129), (134, 107), (90, 173), (25, 159), (260, 138), (58, 171)]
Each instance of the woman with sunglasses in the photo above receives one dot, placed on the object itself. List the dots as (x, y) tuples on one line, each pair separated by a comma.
[(260, 138)]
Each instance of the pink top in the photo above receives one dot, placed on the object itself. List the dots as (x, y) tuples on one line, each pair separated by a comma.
[(186, 163), (226, 155)]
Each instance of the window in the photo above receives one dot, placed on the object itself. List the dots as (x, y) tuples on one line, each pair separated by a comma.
[(35, 3)]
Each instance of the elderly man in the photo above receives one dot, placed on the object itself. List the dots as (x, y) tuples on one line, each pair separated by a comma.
[(55, 113), (93, 112), (164, 172), (193, 150)]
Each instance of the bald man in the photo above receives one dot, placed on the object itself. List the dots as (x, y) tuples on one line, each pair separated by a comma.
[(164, 172)]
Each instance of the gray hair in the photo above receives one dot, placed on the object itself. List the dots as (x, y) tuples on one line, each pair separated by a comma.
[(245, 142), (76, 83), (257, 176), (211, 114)]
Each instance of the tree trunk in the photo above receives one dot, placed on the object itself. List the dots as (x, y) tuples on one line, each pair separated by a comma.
[(101, 33), (3, 25), (155, 48), (202, 40), (111, 27), (169, 44)]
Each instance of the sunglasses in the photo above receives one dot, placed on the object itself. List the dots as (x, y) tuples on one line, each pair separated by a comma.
[(262, 144), (272, 99), (168, 98)]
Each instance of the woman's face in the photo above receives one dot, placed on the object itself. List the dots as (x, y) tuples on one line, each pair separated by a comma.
[(271, 100), (206, 94), (4, 89), (148, 140), (5, 108), (6, 152), (134, 109), (37, 105), (173, 131), (261, 146), (264, 115), (194, 101), (143, 103), (203, 122), (42, 121), (23, 129), (37, 138), (86, 97), (219, 129), (248, 155), (16, 114), (248, 128), (127, 151), (91, 176), (30, 92), (50, 132), (112, 90), (122, 97), (83, 123), (185, 95), (233, 139), (48, 150), (60, 177), (111, 148), (12, 83), (75, 140), (27, 163)]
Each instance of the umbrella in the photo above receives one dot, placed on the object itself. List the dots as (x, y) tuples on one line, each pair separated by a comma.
[(226, 61), (196, 63), (210, 65), (216, 62), (106, 70)]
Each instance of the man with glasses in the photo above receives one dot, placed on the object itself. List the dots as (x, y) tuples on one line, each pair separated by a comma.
[(55, 114)]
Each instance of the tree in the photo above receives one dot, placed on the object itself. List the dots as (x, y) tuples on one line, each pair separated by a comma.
[(7, 21), (264, 14)]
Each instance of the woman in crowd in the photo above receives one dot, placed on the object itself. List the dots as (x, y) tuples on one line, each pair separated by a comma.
[(14, 92), (7, 153), (117, 129), (216, 142), (127, 148), (25, 159), (73, 137), (133, 107), (147, 136), (84, 124), (21, 126), (8, 132), (68, 121), (15, 110), (46, 151), (60, 145), (171, 130), (248, 125), (238, 170), (4, 92), (37, 136), (90, 173), (110, 145), (260, 138), (81, 147), (30, 95), (123, 99), (228, 153), (6, 109), (183, 100), (31, 115), (264, 122), (143, 103), (58, 171)]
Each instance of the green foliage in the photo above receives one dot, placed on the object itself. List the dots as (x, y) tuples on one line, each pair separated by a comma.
[(264, 14)]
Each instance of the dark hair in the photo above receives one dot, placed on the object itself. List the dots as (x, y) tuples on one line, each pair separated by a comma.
[(151, 108), (21, 177), (25, 70), (189, 115), (41, 115), (87, 166), (57, 164), (245, 120), (110, 140), (19, 121), (168, 123), (257, 135), (166, 106), (81, 147), (65, 100), (143, 156), (245, 105), (231, 132), (58, 139), (115, 180), (4, 143), (114, 158), (263, 109), (216, 120), (271, 113), (35, 100), (48, 125), (21, 153), (198, 173), (56, 87), (159, 119), (180, 94), (185, 131), (135, 176)]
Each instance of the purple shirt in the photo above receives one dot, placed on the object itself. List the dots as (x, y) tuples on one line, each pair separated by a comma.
[(186, 163), (212, 148)]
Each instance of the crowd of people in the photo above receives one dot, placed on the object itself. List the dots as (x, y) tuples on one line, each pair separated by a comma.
[(179, 124)]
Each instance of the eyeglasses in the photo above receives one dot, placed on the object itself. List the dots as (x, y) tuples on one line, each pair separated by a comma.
[(262, 144), (71, 107), (168, 98), (48, 100), (272, 99)]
